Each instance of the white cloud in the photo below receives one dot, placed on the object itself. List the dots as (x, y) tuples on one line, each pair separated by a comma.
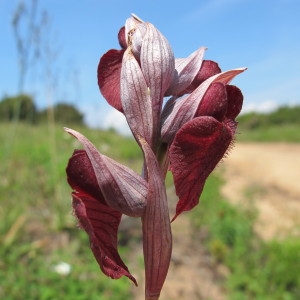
[(97, 116), (261, 107), (116, 120), (268, 97), (92, 114)]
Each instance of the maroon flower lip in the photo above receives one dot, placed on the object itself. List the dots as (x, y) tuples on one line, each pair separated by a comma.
[(189, 135)]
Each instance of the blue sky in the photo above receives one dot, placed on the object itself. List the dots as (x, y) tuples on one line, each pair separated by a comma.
[(261, 35)]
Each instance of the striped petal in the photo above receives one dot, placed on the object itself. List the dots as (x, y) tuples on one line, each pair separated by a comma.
[(186, 69), (180, 111), (100, 221), (123, 189)]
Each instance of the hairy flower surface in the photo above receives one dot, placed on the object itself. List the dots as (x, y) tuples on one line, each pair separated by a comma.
[(188, 135)]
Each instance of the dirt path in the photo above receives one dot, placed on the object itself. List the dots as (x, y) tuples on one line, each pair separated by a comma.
[(268, 174), (193, 274), (264, 175)]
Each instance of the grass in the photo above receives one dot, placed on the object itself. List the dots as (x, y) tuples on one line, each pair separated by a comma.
[(288, 133), (281, 125), (37, 229), (257, 269)]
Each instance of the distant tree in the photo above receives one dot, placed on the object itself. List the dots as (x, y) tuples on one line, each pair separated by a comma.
[(285, 115), (26, 108), (63, 113), (282, 116)]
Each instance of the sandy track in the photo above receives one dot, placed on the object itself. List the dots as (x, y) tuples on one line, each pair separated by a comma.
[(268, 174), (265, 175), (193, 273)]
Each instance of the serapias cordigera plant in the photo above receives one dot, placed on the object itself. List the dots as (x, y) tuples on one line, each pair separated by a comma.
[(187, 135)]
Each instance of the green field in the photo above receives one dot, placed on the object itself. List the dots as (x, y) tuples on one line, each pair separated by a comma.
[(288, 133), (282, 125), (38, 231), (257, 269)]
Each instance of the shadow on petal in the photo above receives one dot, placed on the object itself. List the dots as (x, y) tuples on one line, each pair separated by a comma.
[(100, 221), (122, 188), (197, 148), (109, 73)]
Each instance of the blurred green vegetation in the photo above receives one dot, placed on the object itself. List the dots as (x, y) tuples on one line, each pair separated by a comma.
[(281, 125), (37, 229), (22, 108), (257, 269)]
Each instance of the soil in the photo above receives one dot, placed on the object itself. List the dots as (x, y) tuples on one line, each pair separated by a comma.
[(265, 175), (268, 175)]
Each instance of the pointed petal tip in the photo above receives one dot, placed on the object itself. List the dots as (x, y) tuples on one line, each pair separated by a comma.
[(101, 224), (136, 17), (174, 218), (68, 130), (71, 131)]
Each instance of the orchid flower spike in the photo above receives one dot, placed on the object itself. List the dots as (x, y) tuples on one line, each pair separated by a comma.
[(188, 135)]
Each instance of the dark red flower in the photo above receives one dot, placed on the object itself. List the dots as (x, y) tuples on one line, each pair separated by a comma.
[(189, 135)]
